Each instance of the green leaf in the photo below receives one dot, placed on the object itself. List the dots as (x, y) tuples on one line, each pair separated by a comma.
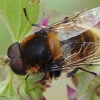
[(7, 89), (29, 90), (14, 18), (17, 88), (36, 91), (10, 93), (95, 97), (85, 78), (21, 90), (35, 77)]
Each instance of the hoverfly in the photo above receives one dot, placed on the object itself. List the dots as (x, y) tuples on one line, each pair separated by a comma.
[(61, 46)]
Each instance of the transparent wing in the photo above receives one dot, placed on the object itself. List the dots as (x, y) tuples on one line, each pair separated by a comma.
[(76, 25), (79, 54)]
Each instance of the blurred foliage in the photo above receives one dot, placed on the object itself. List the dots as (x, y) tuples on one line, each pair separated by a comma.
[(69, 6)]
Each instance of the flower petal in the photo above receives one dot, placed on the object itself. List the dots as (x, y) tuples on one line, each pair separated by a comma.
[(43, 98), (47, 85), (45, 21), (72, 94)]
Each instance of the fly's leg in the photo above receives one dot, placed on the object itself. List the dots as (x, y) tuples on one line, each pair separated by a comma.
[(32, 24), (26, 76), (70, 74)]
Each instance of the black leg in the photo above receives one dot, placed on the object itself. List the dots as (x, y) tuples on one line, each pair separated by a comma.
[(24, 9), (38, 25), (70, 74), (51, 74), (26, 76), (57, 74)]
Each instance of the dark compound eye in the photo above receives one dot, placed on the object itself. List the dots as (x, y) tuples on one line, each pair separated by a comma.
[(17, 66), (16, 63), (14, 50)]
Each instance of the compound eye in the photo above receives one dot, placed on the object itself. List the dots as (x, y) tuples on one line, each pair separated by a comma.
[(16, 62), (17, 66), (14, 50)]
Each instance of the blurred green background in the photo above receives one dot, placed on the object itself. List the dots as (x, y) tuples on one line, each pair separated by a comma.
[(5, 39), (68, 6), (56, 9)]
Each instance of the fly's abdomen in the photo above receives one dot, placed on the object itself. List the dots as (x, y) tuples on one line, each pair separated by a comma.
[(81, 47)]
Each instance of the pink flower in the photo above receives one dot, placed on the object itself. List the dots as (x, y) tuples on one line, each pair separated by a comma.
[(45, 21), (43, 98), (42, 24), (72, 94)]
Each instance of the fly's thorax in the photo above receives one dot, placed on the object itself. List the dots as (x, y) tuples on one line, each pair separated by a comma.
[(34, 50)]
